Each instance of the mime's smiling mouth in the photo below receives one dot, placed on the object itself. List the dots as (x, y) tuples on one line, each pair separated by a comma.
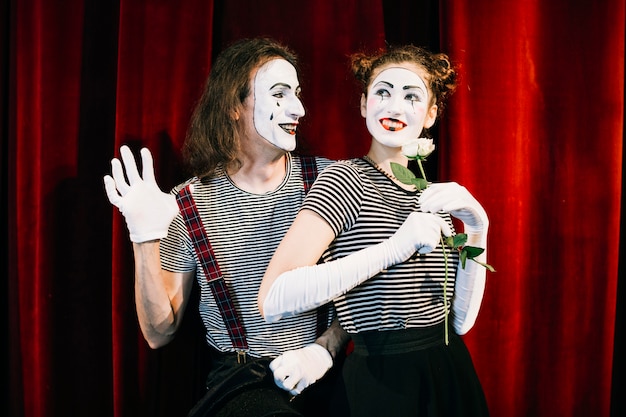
[(290, 128), (392, 124)]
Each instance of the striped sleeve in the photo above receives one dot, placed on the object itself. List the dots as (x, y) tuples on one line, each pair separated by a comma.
[(337, 196)]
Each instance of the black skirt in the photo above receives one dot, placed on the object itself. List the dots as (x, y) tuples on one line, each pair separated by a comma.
[(409, 373)]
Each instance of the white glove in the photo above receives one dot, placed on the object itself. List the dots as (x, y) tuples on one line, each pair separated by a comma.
[(147, 210), (303, 289), (469, 287), (455, 199), (295, 370), (420, 232)]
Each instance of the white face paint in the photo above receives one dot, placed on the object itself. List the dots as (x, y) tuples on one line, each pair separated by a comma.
[(277, 107), (397, 107)]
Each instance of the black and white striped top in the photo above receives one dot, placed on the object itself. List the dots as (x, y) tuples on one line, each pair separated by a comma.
[(244, 230), (364, 207)]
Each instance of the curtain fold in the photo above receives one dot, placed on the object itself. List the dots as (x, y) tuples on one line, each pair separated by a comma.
[(163, 57), (46, 111), (534, 132)]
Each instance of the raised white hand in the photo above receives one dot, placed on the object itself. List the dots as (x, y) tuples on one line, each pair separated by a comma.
[(148, 211)]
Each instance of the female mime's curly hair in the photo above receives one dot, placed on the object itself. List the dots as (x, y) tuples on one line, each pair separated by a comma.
[(442, 77)]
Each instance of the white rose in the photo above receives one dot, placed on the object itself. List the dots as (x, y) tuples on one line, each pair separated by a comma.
[(421, 147)]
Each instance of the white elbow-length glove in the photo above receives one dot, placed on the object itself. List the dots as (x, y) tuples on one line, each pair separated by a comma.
[(470, 281), (303, 289), (296, 369), (147, 210)]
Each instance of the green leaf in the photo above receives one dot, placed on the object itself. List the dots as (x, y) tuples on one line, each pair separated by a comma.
[(459, 240), (472, 251), (419, 183), (402, 173), (465, 252), (489, 267)]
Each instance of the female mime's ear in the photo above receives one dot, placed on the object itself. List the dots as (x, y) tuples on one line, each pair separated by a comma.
[(431, 116), (363, 105)]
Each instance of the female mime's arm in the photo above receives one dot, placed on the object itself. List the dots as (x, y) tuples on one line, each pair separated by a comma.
[(470, 286), (470, 281), (294, 283)]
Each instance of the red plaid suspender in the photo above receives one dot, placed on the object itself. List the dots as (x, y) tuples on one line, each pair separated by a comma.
[(309, 171), (211, 269)]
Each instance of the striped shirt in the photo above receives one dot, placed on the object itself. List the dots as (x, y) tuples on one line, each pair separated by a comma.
[(364, 207), (244, 230)]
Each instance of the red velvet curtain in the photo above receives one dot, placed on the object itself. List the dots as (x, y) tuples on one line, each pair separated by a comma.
[(535, 132)]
